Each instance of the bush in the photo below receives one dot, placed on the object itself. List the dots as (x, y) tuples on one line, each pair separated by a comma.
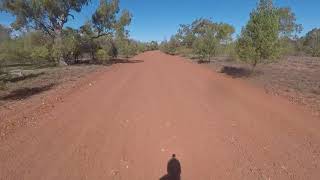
[(129, 50), (112, 50), (312, 42), (103, 56), (170, 47), (184, 51), (126, 47), (13, 51), (40, 54), (108, 45), (29, 47), (200, 49), (57, 52)]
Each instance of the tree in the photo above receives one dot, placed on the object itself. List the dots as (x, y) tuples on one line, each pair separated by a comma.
[(267, 34), (311, 42), (107, 25), (259, 40), (105, 20), (204, 37), (186, 35), (46, 15), (210, 37), (287, 22), (206, 45)]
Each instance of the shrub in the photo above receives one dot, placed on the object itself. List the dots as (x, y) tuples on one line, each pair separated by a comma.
[(112, 50), (200, 49), (102, 56), (57, 52), (70, 45), (170, 47), (40, 53), (207, 45), (29, 47), (312, 42), (184, 51)]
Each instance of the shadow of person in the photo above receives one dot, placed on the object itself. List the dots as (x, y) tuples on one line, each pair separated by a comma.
[(173, 169)]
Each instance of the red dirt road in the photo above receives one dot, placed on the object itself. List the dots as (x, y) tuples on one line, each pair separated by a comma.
[(129, 121)]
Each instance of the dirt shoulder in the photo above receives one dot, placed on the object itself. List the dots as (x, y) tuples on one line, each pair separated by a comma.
[(27, 97), (295, 78)]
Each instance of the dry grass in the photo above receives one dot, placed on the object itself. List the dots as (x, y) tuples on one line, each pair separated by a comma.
[(296, 78), (30, 82)]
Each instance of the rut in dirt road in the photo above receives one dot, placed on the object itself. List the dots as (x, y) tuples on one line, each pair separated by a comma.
[(136, 115)]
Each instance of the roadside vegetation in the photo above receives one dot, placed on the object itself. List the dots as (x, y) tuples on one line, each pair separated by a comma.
[(38, 38), (269, 51), (271, 33)]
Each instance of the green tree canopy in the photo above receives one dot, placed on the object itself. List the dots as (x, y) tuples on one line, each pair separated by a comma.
[(268, 30), (48, 16), (287, 23), (259, 39), (107, 21), (186, 35), (45, 15), (210, 36)]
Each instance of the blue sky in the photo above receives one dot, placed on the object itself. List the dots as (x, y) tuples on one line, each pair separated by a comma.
[(159, 19)]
